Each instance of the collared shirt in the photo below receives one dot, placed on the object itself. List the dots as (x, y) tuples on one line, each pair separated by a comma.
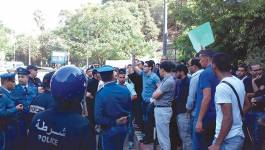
[(130, 87), (167, 88), (21, 96), (207, 79), (244, 78), (150, 82), (6, 90), (192, 90)]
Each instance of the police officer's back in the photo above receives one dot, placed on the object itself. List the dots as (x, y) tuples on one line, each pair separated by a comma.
[(62, 127), (112, 110)]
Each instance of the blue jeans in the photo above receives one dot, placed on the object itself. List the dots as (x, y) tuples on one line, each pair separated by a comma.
[(234, 143), (2, 140), (113, 138), (131, 129), (255, 128), (201, 141), (184, 126), (149, 120)]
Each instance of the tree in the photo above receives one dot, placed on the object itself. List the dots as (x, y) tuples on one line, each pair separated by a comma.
[(110, 31), (237, 26), (5, 35), (23, 45)]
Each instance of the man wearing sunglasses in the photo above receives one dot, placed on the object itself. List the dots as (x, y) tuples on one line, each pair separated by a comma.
[(23, 93), (8, 112)]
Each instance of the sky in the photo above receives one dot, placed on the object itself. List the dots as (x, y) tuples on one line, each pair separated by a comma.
[(18, 14)]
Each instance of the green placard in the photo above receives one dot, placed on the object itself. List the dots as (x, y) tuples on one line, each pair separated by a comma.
[(201, 36)]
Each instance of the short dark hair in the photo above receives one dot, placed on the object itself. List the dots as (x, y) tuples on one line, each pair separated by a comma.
[(166, 65), (47, 79), (94, 72), (153, 62), (208, 53), (182, 67), (173, 68), (253, 64), (121, 71), (222, 62), (149, 64), (196, 61), (243, 66), (107, 76)]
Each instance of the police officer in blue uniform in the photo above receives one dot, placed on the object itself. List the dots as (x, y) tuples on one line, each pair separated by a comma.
[(23, 93), (62, 127), (8, 113), (112, 111), (44, 100), (33, 79)]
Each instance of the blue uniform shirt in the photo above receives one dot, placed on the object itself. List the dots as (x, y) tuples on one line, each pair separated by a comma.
[(58, 130), (207, 79), (24, 96), (35, 82), (112, 102), (7, 106)]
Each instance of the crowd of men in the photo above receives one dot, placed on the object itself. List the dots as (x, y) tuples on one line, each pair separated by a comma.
[(203, 104)]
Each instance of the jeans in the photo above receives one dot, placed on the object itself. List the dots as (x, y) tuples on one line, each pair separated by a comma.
[(149, 120), (184, 127), (201, 141), (113, 138), (234, 143), (255, 128), (162, 119), (131, 129), (2, 140)]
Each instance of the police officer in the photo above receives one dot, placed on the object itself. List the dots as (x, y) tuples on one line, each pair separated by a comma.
[(112, 111), (33, 79), (23, 93), (8, 112), (44, 100), (62, 127)]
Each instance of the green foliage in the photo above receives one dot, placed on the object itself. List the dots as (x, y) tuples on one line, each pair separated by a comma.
[(111, 31), (5, 34), (238, 27)]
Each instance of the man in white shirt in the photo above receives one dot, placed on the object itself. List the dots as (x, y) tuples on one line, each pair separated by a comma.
[(228, 133)]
